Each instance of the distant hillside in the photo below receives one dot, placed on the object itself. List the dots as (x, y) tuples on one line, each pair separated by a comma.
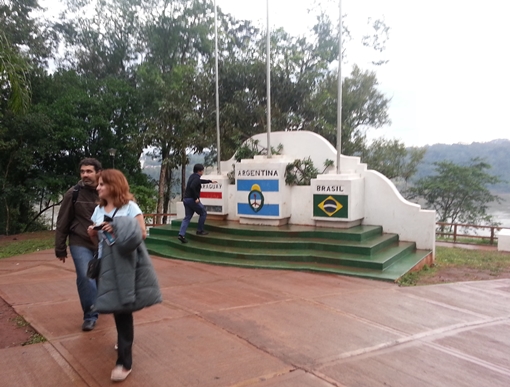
[(496, 153)]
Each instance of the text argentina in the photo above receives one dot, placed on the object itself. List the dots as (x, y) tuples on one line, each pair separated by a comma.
[(258, 172)]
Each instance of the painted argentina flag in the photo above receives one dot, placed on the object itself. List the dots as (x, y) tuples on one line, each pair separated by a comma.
[(258, 197)]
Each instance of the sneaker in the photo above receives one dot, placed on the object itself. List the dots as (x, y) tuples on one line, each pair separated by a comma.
[(88, 325), (119, 373), (202, 233), (182, 239)]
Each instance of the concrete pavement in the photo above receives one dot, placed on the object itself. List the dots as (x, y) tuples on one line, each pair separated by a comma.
[(224, 326)]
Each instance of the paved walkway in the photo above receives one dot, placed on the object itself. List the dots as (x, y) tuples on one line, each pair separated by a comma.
[(224, 326)]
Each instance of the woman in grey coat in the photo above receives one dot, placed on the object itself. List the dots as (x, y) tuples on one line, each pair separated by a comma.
[(127, 281)]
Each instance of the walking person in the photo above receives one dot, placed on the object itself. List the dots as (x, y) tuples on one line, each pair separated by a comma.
[(192, 203), (127, 281), (72, 222)]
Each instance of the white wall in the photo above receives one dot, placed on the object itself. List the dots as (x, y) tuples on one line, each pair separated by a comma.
[(384, 206)]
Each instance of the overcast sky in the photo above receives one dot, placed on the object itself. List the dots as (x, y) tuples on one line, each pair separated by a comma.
[(448, 72)]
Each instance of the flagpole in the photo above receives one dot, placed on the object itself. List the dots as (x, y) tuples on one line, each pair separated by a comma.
[(339, 98), (218, 161), (268, 84)]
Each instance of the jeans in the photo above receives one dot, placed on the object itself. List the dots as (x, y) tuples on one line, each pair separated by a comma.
[(87, 288), (125, 335), (190, 207)]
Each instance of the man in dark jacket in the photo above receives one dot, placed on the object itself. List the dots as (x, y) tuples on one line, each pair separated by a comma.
[(192, 202), (73, 220)]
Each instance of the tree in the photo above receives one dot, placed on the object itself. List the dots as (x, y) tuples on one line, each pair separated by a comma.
[(392, 158), (14, 83), (458, 193), (363, 107)]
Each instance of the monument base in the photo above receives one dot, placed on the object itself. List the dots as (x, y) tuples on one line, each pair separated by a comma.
[(216, 216)]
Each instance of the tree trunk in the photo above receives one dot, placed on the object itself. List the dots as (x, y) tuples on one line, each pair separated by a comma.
[(184, 162), (161, 191), (168, 193)]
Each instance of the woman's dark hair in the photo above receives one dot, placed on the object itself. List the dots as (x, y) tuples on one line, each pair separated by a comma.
[(198, 168), (119, 187)]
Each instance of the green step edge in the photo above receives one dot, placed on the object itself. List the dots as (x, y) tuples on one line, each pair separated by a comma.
[(384, 258), (392, 273), (355, 233), (361, 251)]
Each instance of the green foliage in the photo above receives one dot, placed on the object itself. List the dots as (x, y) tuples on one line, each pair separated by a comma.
[(301, 172), (392, 158), (14, 83), (136, 74), (248, 150), (252, 148), (363, 107), (146, 198), (458, 193)]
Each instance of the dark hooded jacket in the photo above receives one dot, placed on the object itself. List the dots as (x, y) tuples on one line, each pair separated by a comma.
[(74, 219), (127, 281)]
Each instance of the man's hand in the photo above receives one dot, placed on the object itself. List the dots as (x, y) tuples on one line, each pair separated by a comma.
[(213, 181), (63, 259)]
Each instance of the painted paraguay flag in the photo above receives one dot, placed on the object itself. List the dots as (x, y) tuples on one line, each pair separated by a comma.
[(257, 197)]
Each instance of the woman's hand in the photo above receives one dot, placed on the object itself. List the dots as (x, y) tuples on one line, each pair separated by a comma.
[(107, 227)]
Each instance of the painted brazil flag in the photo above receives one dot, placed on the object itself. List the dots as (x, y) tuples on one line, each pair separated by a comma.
[(330, 206)]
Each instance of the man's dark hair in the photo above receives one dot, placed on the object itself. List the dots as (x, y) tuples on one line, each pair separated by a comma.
[(91, 161), (198, 168)]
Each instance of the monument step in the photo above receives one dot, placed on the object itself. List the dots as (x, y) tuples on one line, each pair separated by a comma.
[(285, 242), (358, 233), (380, 260), (392, 272)]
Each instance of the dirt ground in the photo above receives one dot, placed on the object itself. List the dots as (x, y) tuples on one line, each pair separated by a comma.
[(11, 333), (459, 274)]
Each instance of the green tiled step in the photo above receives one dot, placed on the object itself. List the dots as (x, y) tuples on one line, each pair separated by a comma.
[(362, 251), (358, 233), (253, 252), (284, 242), (391, 273)]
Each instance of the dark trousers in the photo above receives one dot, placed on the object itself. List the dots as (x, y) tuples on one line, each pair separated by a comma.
[(125, 335), (190, 207)]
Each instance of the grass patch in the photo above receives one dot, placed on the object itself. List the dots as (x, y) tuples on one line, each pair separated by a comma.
[(21, 322), (34, 337), (26, 243), (413, 278), (486, 241), (474, 259), (491, 263)]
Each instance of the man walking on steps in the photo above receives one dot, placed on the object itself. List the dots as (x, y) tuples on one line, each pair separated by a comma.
[(73, 220), (192, 202)]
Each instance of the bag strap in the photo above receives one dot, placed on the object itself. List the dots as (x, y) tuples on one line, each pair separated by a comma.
[(76, 192)]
